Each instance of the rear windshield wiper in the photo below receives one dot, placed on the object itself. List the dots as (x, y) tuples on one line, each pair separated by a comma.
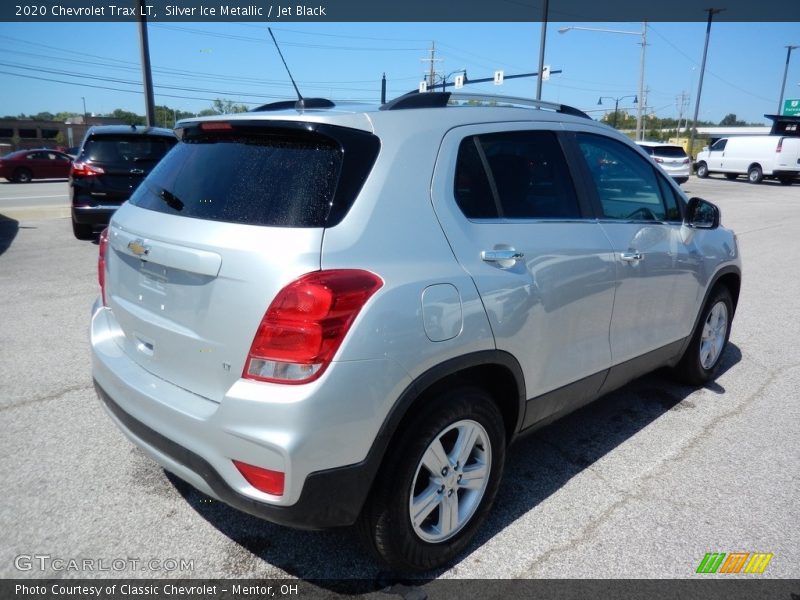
[(171, 199)]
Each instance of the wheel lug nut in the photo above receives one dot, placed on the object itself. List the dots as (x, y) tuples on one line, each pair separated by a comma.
[(449, 493), (444, 471)]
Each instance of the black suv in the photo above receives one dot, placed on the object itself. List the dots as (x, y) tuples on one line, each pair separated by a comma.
[(112, 162)]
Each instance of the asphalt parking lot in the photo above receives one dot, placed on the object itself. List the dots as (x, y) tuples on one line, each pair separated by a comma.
[(642, 484)]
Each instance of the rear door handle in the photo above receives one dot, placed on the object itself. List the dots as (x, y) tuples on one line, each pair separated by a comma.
[(631, 256), (500, 255)]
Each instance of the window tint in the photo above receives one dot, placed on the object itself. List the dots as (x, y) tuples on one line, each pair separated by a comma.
[(279, 180), (626, 183), (719, 145), (669, 151), (514, 175), (126, 149)]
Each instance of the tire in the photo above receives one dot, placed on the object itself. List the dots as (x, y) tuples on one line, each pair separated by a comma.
[(700, 361), (22, 175), (82, 231), (702, 170), (424, 462), (731, 176), (754, 174)]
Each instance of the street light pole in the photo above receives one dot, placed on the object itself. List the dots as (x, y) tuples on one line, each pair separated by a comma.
[(643, 34), (616, 105), (541, 50), (789, 49), (84, 108), (711, 13)]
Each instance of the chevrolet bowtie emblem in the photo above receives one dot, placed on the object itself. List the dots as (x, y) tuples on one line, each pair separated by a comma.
[(138, 248)]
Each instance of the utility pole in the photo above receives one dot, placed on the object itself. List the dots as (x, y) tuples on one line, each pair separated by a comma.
[(789, 49), (432, 71), (711, 12), (682, 103), (642, 100), (147, 75)]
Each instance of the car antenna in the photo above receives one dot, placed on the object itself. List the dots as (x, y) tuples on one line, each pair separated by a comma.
[(300, 102)]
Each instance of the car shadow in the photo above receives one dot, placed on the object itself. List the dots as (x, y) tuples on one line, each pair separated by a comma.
[(537, 466), (8, 231)]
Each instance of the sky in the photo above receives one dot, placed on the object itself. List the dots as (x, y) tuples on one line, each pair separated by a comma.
[(55, 66)]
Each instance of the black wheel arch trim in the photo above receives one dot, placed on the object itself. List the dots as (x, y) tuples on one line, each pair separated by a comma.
[(723, 272)]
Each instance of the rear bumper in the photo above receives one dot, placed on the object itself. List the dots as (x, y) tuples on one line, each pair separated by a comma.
[(93, 215), (321, 435), (330, 498)]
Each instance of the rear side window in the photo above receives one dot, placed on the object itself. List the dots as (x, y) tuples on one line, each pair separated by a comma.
[(126, 149), (514, 175), (258, 176)]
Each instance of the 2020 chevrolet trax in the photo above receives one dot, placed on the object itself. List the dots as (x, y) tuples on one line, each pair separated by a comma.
[(330, 315)]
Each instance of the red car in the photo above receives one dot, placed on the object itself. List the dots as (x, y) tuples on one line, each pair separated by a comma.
[(24, 165)]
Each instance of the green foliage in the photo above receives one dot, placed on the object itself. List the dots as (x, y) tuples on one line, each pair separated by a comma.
[(227, 107), (730, 120), (127, 117), (44, 116)]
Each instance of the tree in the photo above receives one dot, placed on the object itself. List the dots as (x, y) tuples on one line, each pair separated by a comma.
[(227, 107), (128, 117), (44, 116), (730, 120)]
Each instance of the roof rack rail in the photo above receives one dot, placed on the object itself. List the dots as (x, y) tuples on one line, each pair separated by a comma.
[(441, 99), (302, 104)]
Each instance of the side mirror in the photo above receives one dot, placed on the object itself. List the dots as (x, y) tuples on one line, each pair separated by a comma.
[(702, 214)]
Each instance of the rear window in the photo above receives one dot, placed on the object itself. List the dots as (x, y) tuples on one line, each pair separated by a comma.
[(279, 178), (126, 149), (669, 151)]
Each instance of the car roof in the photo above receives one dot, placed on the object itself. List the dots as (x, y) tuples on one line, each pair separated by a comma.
[(432, 110), (27, 150), (129, 130)]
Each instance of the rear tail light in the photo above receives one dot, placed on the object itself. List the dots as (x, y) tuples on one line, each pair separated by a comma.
[(306, 323), (101, 264), (264, 480), (686, 161), (780, 146), (82, 169), (658, 160)]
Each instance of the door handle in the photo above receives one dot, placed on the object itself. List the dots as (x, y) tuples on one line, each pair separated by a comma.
[(500, 255), (631, 256)]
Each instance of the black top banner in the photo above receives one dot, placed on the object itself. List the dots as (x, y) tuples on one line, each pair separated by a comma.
[(276, 11)]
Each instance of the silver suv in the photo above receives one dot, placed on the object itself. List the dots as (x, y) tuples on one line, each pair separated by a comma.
[(329, 316)]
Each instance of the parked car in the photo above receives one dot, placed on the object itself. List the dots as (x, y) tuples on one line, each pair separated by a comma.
[(343, 316), (671, 157), (112, 162), (23, 166), (756, 156)]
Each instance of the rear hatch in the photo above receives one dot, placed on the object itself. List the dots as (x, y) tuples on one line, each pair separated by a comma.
[(670, 157), (121, 162), (233, 214)]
